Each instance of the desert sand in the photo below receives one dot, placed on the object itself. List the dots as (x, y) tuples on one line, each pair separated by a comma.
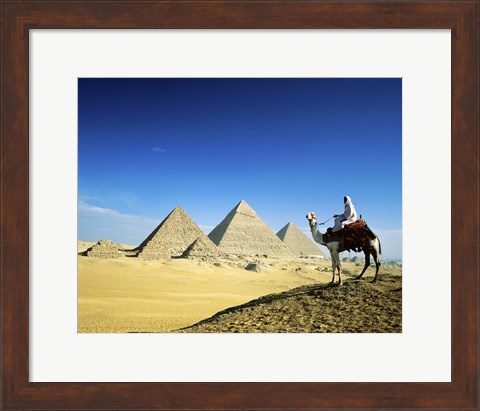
[(129, 294), (355, 307)]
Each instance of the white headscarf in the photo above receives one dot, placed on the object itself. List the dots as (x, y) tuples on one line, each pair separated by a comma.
[(350, 213)]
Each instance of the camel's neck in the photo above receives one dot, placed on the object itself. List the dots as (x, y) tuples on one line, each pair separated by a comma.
[(317, 235)]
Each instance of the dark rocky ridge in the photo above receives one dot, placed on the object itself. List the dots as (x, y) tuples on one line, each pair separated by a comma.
[(355, 307)]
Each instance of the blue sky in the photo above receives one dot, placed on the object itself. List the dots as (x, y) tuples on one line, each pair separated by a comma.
[(286, 146)]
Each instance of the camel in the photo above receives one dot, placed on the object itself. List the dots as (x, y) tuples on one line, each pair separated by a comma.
[(336, 247)]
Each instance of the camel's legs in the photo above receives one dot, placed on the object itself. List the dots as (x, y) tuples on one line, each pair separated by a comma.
[(367, 263), (335, 265), (377, 263)]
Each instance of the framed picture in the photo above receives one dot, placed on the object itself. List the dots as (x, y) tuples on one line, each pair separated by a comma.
[(53, 359)]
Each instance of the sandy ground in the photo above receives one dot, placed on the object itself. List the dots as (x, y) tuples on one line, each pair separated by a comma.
[(132, 295), (357, 306)]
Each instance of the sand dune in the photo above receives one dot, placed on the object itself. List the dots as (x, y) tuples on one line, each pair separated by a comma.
[(357, 306), (133, 295)]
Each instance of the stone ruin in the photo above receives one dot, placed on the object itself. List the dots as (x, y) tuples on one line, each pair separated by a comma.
[(243, 233), (103, 249)]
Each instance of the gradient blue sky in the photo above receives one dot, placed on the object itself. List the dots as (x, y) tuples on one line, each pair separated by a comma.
[(286, 146)]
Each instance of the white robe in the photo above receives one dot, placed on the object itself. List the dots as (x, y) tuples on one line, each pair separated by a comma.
[(349, 216)]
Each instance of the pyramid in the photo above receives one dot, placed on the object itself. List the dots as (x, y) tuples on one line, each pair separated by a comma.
[(202, 247), (297, 241), (172, 237), (103, 249), (243, 233)]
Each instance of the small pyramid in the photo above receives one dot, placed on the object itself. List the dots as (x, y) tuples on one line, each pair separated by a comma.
[(103, 249), (297, 241), (202, 247), (243, 233), (172, 237)]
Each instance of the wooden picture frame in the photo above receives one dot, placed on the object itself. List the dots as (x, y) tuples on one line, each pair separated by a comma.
[(461, 16)]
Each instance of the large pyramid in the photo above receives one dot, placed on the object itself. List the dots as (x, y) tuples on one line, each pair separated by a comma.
[(243, 233), (172, 237), (297, 241)]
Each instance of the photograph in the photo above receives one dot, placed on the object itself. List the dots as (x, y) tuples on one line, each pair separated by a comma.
[(239, 205)]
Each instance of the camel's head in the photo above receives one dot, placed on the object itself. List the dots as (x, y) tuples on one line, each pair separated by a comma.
[(311, 217)]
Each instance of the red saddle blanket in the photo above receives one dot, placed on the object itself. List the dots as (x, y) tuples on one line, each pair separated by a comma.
[(353, 236)]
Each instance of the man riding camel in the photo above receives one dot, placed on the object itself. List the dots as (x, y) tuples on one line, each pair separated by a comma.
[(349, 216)]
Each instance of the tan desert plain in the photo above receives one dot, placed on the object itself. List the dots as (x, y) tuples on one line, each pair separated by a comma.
[(242, 277)]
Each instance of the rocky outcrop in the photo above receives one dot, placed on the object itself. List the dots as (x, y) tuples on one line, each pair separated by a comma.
[(355, 307), (258, 267)]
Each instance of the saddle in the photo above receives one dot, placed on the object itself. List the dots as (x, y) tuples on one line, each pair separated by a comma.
[(353, 236)]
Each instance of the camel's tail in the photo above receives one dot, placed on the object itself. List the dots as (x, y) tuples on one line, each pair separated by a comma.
[(379, 246)]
